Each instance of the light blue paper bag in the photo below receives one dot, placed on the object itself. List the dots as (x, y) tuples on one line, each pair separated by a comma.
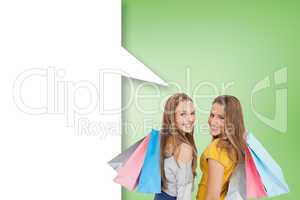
[(150, 179), (237, 184), (269, 170), (117, 162)]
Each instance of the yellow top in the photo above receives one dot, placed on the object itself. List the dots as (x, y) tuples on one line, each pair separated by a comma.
[(220, 155)]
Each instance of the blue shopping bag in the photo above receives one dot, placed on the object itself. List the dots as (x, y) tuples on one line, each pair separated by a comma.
[(150, 179), (269, 171)]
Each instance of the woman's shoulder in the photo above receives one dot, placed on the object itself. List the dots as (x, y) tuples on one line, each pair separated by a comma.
[(213, 145), (184, 153), (216, 146), (215, 152)]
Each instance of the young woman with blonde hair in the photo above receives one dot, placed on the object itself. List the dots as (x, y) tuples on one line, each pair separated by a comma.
[(226, 149), (178, 150)]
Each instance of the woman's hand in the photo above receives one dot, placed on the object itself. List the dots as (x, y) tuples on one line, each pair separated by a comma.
[(215, 180)]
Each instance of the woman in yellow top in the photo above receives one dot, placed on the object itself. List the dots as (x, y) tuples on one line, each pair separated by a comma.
[(220, 158)]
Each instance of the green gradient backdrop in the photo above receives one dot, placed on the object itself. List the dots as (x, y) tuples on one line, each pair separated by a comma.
[(237, 43)]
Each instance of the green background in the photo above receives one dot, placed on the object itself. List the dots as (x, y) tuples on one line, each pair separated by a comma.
[(215, 43)]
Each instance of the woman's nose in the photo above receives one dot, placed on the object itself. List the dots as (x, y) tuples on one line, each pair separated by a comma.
[(191, 118), (214, 120)]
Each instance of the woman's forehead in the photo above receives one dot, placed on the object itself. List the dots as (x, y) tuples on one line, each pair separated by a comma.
[(217, 109), (185, 105)]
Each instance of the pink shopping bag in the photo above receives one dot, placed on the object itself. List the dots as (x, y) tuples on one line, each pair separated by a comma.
[(129, 173), (254, 185)]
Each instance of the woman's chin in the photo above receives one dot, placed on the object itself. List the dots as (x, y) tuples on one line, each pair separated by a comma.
[(214, 134), (187, 130)]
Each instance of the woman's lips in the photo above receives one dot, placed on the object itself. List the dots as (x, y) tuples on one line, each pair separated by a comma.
[(188, 125), (214, 130)]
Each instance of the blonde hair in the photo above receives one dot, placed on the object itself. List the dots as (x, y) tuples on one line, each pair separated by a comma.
[(233, 137)]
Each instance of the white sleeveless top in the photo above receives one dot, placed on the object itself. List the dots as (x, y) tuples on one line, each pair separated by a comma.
[(180, 181)]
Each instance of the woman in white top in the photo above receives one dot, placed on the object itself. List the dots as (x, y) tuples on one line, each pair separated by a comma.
[(178, 153)]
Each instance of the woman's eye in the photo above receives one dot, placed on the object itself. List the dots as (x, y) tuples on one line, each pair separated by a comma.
[(182, 114)]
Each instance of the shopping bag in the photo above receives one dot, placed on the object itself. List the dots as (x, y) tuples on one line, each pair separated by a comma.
[(254, 185), (150, 179), (117, 162), (270, 172), (237, 184), (234, 196), (129, 173)]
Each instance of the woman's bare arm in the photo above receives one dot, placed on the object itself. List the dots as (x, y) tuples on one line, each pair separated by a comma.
[(215, 180)]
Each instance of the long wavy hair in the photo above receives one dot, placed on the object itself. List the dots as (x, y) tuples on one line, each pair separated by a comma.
[(232, 139), (171, 137)]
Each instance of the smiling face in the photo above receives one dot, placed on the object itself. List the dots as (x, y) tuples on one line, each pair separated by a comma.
[(216, 119), (185, 116)]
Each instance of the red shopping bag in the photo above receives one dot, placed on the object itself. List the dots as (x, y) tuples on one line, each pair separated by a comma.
[(254, 185), (129, 173)]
